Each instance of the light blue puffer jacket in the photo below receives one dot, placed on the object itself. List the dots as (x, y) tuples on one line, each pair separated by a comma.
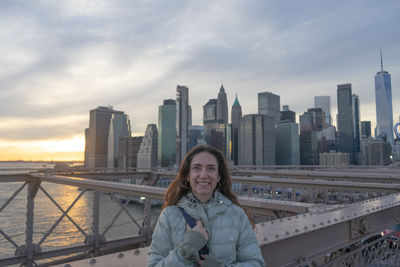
[(231, 237)]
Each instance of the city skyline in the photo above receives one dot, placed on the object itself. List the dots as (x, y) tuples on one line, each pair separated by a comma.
[(64, 59)]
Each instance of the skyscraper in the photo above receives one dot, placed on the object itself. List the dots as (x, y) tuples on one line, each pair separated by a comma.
[(356, 128), (308, 137), (345, 120), (324, 102), (365, 129), (183, 121), (128, 150), (384, 109), (119, 127), (236, 116), (257, 140), (196, 136), (98, 139), (287, 143), (269, 104), (288, 115), (222, 106), (167, 133), (210, 121)]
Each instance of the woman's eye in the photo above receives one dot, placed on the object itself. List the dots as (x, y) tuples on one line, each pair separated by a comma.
[(211, 169), (196, 168)]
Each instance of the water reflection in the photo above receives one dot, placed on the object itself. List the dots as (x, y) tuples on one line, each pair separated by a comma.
[(13, 217)]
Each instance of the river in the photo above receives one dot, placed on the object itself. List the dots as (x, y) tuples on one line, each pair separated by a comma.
[(13, 216)]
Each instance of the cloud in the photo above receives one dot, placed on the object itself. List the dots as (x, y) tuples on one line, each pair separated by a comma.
[(61, 59)]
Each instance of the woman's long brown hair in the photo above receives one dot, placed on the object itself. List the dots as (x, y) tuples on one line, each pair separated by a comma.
[(180, 187)]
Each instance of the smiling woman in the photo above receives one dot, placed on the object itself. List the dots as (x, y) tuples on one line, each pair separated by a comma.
[(64, 149)]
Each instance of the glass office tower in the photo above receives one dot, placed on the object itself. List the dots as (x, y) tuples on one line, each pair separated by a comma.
[(384, 109)]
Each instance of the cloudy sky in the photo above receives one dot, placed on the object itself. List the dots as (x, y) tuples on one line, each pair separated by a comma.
[(60, 59)]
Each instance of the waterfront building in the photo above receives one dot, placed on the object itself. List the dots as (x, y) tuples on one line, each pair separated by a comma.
[(345, 120), (183, 121), (324, 102), (269, 104), (128, 150), (98, 141), (236, 116), (383, 101), (257, 140), (365, 129), (287, 115), (147, 154), (337, 159), (287, 143), (196, 136), (167, 133)]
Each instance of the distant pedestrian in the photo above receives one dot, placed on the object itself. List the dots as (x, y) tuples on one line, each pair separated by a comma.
[(202, 222)]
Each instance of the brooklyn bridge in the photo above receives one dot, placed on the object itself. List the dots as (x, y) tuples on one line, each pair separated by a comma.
[(306, 216)]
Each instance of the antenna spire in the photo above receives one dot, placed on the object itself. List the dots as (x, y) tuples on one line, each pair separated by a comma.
[(381, 61)]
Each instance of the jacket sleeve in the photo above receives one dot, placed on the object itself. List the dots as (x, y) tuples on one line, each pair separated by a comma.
[(162, 251), (248, 251)]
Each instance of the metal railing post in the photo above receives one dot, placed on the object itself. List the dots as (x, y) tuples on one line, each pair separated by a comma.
[(33, 187), (96, 222)]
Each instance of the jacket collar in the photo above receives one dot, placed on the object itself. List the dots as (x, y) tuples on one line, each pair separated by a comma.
[(217, 204)]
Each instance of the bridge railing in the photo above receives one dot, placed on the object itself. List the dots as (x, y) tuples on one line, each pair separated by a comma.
[(310, 234)]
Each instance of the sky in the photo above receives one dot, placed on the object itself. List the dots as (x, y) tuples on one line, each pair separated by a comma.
[(60, 59)]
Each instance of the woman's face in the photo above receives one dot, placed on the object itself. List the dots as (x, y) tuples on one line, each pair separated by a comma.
[(203, 176)]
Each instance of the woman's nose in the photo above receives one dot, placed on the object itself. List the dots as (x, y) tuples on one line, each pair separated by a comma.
[(203, 172)]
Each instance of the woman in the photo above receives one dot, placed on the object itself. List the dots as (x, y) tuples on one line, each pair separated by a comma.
[(223, 231)]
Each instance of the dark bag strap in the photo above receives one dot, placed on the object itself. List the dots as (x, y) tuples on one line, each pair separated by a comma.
[(192, 223), (189, 219)]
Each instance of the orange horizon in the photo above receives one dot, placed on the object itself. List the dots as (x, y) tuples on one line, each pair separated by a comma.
[(70, 149), (43, 156)]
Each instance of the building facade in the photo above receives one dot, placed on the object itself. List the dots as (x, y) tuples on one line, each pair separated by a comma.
[(119, 127), (257, 140), (365, 129), (236, 116), (196, 136), (183, 121), (383, 101), (287, 115), (345, 120), (324, 102), (147, 154), (167, 133), (356, 129), (98, 139), (269, 104), (128, 150), (287, 143)]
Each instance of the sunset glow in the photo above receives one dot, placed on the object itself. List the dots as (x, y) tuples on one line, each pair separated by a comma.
[(64, 149)]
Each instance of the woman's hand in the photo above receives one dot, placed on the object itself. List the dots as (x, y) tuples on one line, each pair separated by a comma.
[(199, 227)]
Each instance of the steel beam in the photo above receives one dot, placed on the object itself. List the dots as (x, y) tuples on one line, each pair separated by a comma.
[(339, 185), (366, 176), (282, 241)]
